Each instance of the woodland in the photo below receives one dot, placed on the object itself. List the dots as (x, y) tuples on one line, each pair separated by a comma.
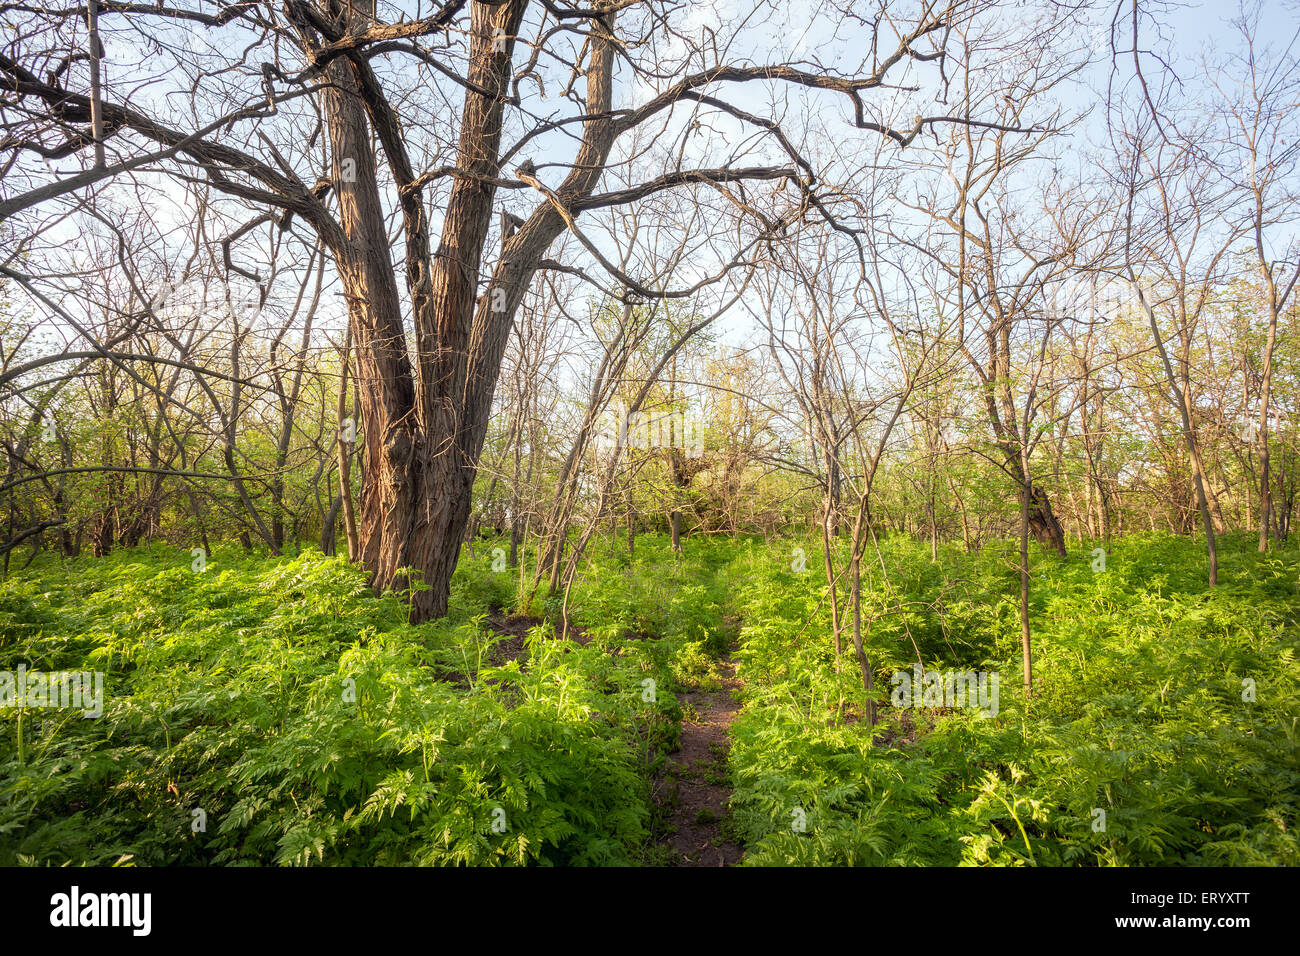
[(649, 433)]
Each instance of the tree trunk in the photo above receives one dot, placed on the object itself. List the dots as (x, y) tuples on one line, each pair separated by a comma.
[(1026, 652), (1042, 522), (425, 424), (868, 683), (1265, 496)]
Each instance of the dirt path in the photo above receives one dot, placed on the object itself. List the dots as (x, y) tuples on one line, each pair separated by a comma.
[(694, 788)]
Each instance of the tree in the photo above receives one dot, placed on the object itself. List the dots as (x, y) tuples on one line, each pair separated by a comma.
[(1261, 105), (426, 402)]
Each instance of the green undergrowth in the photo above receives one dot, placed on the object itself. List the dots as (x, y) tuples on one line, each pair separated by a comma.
[(274, 711), (1141, 745)]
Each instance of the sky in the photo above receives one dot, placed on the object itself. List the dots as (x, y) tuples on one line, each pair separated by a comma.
[(793, 29)]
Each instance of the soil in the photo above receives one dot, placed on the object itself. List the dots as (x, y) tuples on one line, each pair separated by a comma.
[(900, 733), (693, 790), (514, 629)]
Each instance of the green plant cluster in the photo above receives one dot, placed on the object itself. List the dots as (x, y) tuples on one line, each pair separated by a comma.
[(1140, 710), (274, 711), (303, 720)]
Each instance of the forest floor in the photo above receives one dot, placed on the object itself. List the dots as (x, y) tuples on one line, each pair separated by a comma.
[(694, 788), (321, 727)]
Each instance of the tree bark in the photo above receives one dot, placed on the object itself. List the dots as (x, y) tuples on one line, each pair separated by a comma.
[(425, 424)]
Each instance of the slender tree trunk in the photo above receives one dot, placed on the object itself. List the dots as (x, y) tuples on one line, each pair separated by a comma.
[(631, 520), (828, 516), (1026, 651), (868, 682), (1265, 396), (343, 450)]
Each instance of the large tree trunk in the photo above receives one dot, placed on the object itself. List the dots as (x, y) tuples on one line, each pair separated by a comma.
[(425, 423), (391, 475)]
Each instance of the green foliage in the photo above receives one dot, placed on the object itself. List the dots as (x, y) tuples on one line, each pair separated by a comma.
[(310, 723), (1138, 711)]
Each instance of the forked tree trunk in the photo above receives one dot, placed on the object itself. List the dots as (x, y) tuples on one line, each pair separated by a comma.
[(426, 419), (395, 460), (1043, 523)]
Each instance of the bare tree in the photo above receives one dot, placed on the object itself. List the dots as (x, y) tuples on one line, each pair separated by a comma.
[(1261, 94), (426, 407)]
